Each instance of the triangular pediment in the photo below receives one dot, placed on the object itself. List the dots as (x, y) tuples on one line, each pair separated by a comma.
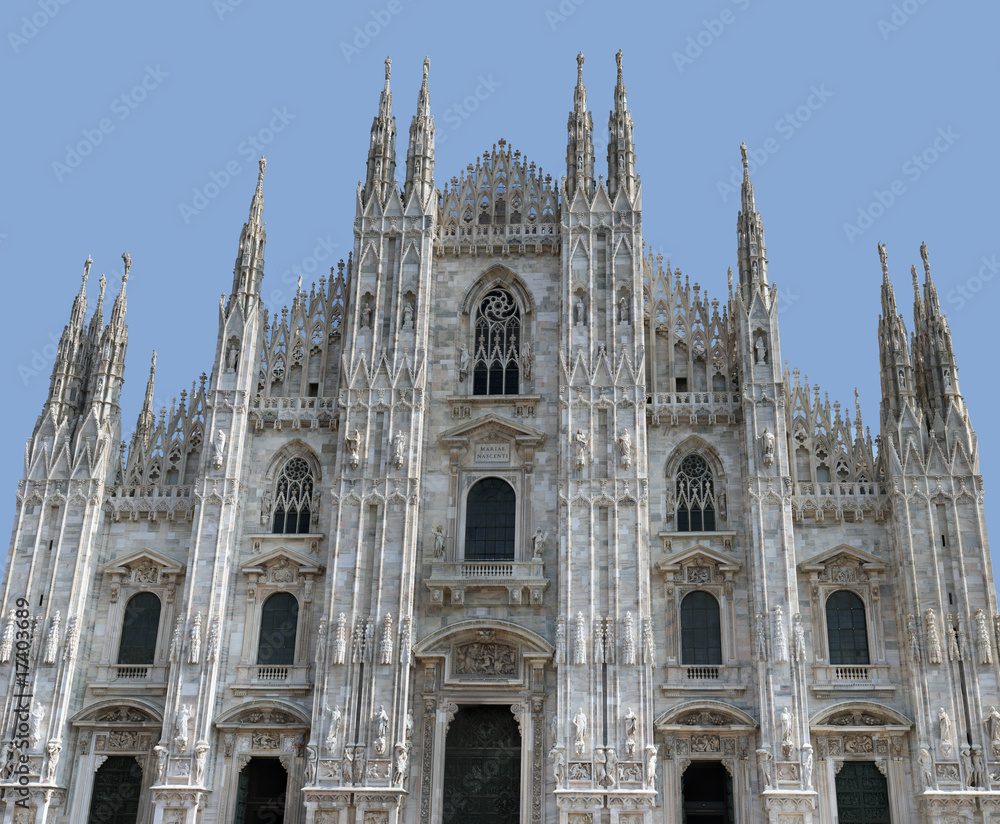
[(831, 557), (281, 558), (145, 558), (478, 427), (704, 554)]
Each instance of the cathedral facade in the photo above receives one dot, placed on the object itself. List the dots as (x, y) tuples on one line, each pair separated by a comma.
[(501, 522)]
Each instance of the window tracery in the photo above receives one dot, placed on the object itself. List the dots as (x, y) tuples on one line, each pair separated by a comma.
[(498, 351), (696, 496), (293, 498)]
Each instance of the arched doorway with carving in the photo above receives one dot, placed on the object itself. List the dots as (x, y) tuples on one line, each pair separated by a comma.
[(482, 732)]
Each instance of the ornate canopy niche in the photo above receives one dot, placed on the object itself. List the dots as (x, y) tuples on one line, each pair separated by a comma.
[(482, 662), (866, 731), (262, 729), (123, 726), (706, 731)]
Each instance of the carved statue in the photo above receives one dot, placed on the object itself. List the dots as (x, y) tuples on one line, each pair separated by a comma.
[(579, 311), (631, 722), (398, 444), (807, 766), (651, 767), (984, 647), (525, 360), (333, 728), (761, 638), (993, 728), (37, 717), (538, 543), (926, 767), (764, 758), (798, 638), (558, 760), (194, 640), (786, 731), (52, 640), (463, 362), (913, 638), (200, 756), (401, 764), (625, 448), (963, 640), (232, 354), (408, 728), (53, 748), (366, 316), (408, 316), (439, 539), (933, 639), (954, 651), (580, 725), (181, 728), (381, 727), (623, 313), (767, 446), (161, 763), (965, 757), (944, 732), (265, 508), (947, 380), (600, 768), (780, 636), (353, 444), (218, 448), (582, 441), (611, 759), (760, 349), (311, 763), (978, 767)]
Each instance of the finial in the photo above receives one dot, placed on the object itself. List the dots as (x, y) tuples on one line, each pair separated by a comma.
[(913, 274), (579, 68), (743, 152), (261, 164), (618, 60), (925, 259), (427, 68), (857, 403), (86, 268), (103, 282), (388, 68), (152, 366), (884, 257), (127, 260), (300, 283)]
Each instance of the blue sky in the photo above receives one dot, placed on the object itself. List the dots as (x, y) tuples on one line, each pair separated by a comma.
[(137, 127)]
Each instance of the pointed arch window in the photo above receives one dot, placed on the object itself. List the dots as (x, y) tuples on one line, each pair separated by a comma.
[(139, 630), (293, 495), (279, 621), (846, 629), (496, 370), (695, 489), (701, 630)]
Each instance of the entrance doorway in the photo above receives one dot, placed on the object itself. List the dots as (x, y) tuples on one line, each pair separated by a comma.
[(482, 767), (117, 786), (260, 797), (862, 793), (707, 789)]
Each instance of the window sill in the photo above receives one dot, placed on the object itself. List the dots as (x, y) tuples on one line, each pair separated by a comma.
[(265, 541), (514, 576), (288, 678), (124, 678), (830, 679), (683, 679)]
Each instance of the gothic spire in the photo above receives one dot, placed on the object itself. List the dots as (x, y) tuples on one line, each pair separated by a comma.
[(420, 151), (71, 355), (751, 252), (934, 354), (894, 350), (144, 425), (381, 172), (117, 322), (249, 269), (580, 148), (621, 142)]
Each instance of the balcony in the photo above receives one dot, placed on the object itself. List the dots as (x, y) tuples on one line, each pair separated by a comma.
[(289, 679), (692, 408), (514, 576), (143, 679), (716, 679), (829, 680)]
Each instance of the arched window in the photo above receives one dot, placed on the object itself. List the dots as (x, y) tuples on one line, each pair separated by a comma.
[(293, 498), (496, 370), (139, 629), (278, 625), (695, 496), (489, 521), (701, 632), (846, 628)]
